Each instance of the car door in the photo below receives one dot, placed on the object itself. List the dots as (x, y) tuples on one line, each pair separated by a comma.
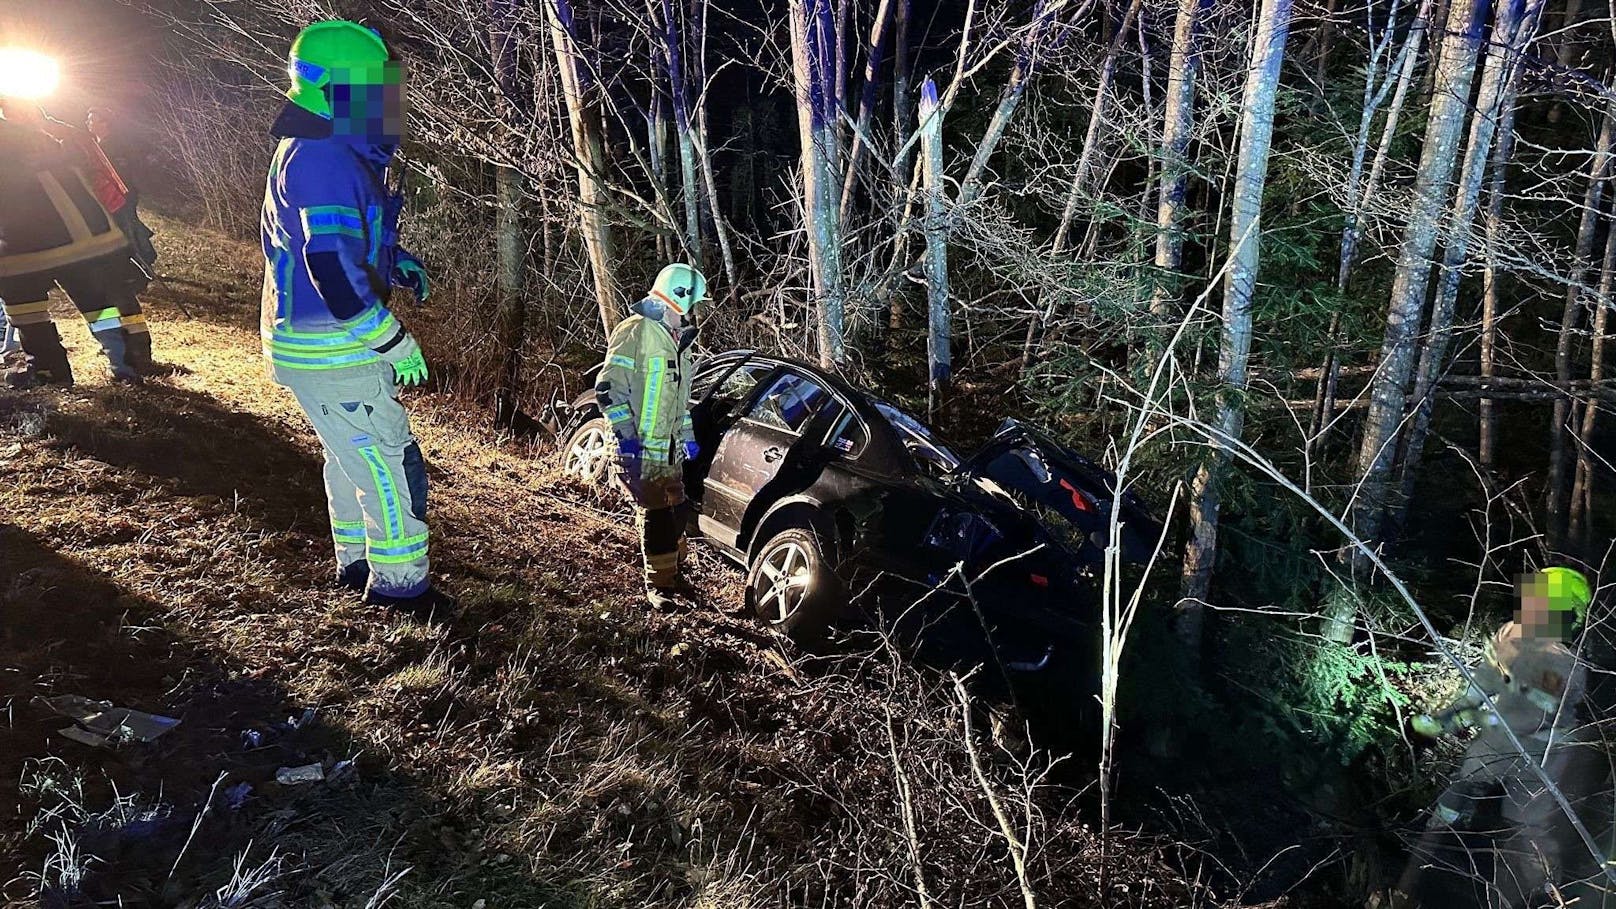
[(755, 449)]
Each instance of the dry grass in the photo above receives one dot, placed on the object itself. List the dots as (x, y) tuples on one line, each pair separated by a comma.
[(556, 746)]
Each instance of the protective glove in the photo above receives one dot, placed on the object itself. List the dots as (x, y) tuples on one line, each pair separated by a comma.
[(692, 449), (409, 365), (628, 457), (409, 273), (1426, 726)]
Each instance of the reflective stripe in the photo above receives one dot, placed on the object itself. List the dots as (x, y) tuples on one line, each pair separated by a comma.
[(619, 413), (105, 324), (375, 213), (651, 396), (373, 325), (136, 319), (111, 312), (26, 309), (397, 551), (386, 489), (620, 360), (332, 220), (348, 531)]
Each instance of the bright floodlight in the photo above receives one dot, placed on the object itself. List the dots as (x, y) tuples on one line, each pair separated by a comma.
[(27, 74)]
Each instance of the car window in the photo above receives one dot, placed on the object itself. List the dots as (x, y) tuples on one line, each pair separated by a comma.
[(930, 453), (789, 403), (850, 435), (737, 385)]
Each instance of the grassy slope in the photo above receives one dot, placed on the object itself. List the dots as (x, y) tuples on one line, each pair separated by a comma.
[(165, 548)]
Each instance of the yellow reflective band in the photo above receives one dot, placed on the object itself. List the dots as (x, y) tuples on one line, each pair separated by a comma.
[(135, 319), (652, 395), (27, 309)]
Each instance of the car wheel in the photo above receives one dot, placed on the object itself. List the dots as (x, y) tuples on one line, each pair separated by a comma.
[(590, 453), (792, 588)]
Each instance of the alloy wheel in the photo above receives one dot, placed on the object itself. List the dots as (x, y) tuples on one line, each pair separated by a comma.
[(787, 573)]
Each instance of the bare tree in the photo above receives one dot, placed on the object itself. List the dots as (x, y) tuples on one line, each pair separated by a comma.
[(1239, 287), (813, 45)]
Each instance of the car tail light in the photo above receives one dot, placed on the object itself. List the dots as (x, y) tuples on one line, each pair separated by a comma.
[(1080, 500), (1038, 580)]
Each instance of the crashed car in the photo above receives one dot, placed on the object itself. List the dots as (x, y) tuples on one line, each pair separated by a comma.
[(818, 489)]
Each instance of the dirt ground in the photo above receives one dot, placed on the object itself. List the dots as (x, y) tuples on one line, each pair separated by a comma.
[(165, 548)]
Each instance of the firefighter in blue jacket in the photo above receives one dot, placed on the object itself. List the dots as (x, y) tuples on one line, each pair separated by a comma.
[(330, 247)]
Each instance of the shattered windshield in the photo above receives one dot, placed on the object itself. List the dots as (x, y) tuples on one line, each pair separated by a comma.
[(918, 440)]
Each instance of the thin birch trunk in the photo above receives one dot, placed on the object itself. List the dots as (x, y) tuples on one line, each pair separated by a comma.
[(511, 228), (590, 158), (1389, 389), (1560, 461), (1582, 494), (1091, 138), (902, 115), (1009, 100), (1239, 287), (1513, 29), (673, 48), (1503, 150), (1407, 62), (879, 31), (1178, 123), (813, 69), (938, 357)]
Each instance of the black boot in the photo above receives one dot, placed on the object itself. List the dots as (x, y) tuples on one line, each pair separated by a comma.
[(44, 360), (432, 606), (354, 576)]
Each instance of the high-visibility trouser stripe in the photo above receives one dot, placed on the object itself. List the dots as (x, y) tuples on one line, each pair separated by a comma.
[(135, 324), (386, 489), (348, 531), (620, 360), (651, 396), (28, 313), (398, 551), (620, 415), (103, 319)]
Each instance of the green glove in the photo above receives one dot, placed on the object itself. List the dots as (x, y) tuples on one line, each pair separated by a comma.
[(409, 365), (408, 272), (1426, 725)]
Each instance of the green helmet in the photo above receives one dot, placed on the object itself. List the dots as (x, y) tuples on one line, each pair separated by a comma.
[(1568, 590), (334, 51), (680, 286)]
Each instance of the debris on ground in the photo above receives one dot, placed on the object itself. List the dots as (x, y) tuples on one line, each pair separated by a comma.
[(100, 724), (294, 776)]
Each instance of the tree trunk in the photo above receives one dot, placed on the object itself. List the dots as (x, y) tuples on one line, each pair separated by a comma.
[(1359, 193), (1513, 29), (1177, 124), (1239, 286), (511, 228), (1582, 494), (1503, 150), (938, 358), (673, 54), (813, 45), (1092, 138), (591, 159), (1388, 392), (1560, 462), (901, 117), (1009, 100), (866, 109)]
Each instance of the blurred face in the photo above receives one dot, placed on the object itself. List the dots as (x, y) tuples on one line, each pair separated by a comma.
[(369, 103), (1535, 616)]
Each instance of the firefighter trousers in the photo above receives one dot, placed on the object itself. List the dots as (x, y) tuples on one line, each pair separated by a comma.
[(104, 293), (663, 515), (375, 477)]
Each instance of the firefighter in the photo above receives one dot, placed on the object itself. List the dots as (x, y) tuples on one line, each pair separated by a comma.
[(330, 250), (644, 391), (57, 230), (1537, 683)]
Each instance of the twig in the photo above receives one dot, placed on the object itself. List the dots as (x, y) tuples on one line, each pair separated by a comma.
[(1018, 852)]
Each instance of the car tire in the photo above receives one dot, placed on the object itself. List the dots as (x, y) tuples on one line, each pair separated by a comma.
[(791, 587), (590, 454)]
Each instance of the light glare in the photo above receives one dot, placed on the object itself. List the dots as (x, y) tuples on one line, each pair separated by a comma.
[(27, 74)]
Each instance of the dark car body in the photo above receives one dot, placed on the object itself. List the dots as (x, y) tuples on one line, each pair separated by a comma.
[(1018, 528)]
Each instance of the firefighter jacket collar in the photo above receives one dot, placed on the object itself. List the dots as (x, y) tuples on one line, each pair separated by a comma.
[(296, 123)]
